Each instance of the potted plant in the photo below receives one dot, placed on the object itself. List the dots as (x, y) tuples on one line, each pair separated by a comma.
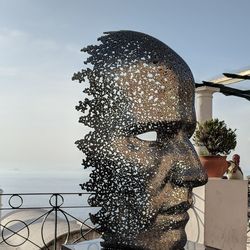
[(217, 141)]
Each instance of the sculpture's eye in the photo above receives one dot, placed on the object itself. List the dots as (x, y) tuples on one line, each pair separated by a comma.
[(147, 136)]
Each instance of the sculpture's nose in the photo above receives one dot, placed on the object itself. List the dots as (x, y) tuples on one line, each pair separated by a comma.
[(186, 169)]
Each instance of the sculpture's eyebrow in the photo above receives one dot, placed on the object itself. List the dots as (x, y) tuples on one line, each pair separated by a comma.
[(166, 127), (169, 129), (172, 125), (175, 126), (161, 127)]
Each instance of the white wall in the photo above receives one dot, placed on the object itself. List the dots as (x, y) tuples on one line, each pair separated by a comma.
[(219, 218)]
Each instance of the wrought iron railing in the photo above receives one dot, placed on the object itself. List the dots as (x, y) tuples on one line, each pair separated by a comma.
[(45, 220)]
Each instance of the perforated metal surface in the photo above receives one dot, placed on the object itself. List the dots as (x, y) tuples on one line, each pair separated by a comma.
[(137, 85)]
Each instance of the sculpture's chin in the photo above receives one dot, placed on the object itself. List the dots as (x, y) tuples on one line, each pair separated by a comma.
[(149, 240), (167, 240)]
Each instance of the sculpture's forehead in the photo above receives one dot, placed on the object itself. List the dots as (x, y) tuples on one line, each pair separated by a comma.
[(157, 92)]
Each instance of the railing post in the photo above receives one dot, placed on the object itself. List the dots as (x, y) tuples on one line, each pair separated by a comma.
[(56, 208), (1, 192)]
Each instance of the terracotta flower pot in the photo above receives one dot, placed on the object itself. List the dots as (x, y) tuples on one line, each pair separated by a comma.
[(216, 166)]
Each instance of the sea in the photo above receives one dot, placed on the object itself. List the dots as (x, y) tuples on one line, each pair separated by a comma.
[(39, 181)]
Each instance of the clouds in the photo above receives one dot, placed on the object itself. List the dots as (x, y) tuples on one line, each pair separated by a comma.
[(37, 98), (8, 36), (27, 59), (16, 44), (8, 71)]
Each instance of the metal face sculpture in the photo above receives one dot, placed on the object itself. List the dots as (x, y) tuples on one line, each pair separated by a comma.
[(137, 85)]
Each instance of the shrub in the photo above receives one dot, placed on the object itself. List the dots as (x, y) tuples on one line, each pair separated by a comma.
[(215, 136)]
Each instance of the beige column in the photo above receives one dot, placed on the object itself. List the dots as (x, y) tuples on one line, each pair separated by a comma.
[(204, 103)]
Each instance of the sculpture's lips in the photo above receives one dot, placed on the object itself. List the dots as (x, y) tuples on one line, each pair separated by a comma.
[(171, 222), (176, 209), (175, 217)]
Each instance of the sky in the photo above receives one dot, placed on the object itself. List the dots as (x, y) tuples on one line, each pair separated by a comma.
[(40, 44)]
